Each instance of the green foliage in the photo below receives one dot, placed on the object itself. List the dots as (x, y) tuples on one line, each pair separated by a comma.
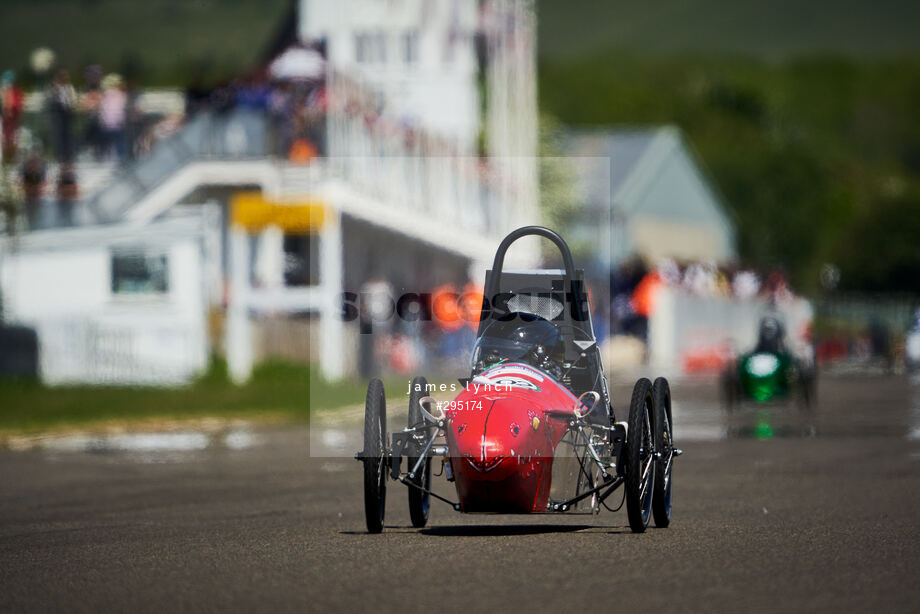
[(159, 42), (558, 202), (801, 111), (881, 249), (767, 29), (805, 152)]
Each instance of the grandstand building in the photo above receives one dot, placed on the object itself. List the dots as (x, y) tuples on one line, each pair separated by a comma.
[(239, 232)]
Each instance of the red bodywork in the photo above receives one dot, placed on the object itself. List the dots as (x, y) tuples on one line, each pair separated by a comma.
[(502, 434)]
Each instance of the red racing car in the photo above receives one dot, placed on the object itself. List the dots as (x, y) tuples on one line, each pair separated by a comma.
[(533, 429)]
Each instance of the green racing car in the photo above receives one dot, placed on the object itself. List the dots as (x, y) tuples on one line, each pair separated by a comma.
[(768, 373)]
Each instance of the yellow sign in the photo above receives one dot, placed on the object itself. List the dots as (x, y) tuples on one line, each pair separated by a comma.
[(253, 211)]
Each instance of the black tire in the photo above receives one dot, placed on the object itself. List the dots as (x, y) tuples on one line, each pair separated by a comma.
[(639, 460), (375, 467), (806, 388), (419, 501), (729, 390), (664, 444)]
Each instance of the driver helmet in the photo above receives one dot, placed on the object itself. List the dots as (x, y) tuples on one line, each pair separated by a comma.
[(771, 334), (524, 338)]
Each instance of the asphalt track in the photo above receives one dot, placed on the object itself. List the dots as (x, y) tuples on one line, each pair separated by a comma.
[(773, 511)]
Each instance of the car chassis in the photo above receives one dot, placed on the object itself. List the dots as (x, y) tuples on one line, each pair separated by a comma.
[(609, 453)]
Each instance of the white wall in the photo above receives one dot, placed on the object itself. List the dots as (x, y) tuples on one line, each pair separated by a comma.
[(40, 284), (684, 325), (59, 282), (438, 89)]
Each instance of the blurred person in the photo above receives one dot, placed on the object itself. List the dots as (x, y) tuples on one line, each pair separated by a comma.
[(745, 284), (160, 130), (375, 320), (281, 118), (600, 316), (642, 304), (156, 132), (253, 93), (90, 104), (62, 103), (471, 304), (448, 315), (880, 341), (303, 149), (623, 282), (10, 199), (401, 352), (860, 347), (112, 112), (643, 297), (134, 121), (316, 109), (197, 95), (771, 337), (669, 272), (912, 343), (132, 68), (32, 175), (700, 279), (302, 152), (12, 100), (775, 288), (67, 193), (223, 97), (723, 287)]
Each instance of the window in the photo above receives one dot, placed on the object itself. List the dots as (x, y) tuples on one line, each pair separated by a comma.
[(381, 40), (362, 50), (137, 272), (410, 47), (371, 48), (301, 260)]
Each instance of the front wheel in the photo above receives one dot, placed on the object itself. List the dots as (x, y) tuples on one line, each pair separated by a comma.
[(664, 444), (419, 500), (375, 465), (729, 390), (640, 460)]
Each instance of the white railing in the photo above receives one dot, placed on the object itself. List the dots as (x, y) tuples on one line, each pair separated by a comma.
[(420, 172)]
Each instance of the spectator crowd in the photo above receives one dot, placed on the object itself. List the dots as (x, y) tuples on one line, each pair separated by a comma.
[(633, 286), (100, 120)]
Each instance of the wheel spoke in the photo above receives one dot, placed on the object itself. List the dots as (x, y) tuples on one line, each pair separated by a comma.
[(643, 491), (647, 468), (669, 446), (644, 480)]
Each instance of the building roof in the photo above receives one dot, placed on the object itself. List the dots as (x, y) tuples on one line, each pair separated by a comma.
[(652, 174), (624, 148)]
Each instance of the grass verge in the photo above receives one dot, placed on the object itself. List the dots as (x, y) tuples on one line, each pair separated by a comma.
[(276, 392)]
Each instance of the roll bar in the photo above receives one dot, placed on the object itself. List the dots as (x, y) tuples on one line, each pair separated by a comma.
[(539, 231)]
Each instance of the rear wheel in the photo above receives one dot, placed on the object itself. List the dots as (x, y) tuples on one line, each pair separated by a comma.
[(375, 465), (640, 463), (728, 382), (806, 388), (664, 444), (418, 500)]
